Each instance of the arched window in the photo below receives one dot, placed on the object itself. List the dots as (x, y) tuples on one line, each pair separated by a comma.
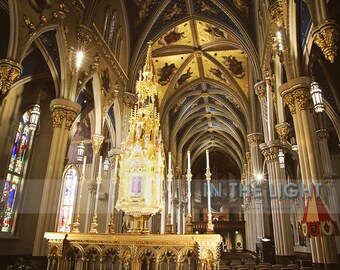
[(16, 169), (110, 26), (68, 200)]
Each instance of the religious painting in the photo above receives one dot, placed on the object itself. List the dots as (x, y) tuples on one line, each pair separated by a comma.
[(83, 130), (242, 6), (165, 73), (207, 8), (170, 14), (184, 77), (219, 74), (214, 31), (234, 66), (143, 7), (136, 186), (171, 37)]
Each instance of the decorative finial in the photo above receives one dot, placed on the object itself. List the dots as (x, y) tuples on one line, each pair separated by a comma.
[(148, 62)]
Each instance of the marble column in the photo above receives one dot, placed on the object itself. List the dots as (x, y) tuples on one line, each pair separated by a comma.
[(97, 141), (64, 112), (328, 174), (283, 237), (296, 95), (254, 139)]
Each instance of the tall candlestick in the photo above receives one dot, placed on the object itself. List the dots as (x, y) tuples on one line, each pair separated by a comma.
[(84, 165), (100, 166), (188, 160), (207, 156), (169, 163)]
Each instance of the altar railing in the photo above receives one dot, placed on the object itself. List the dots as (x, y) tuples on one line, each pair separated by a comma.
[(132, 251)]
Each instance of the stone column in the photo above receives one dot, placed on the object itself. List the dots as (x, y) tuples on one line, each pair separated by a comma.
[(280, 210), (97, 141), (331, 195), (64, 112), (254, 139), (296, 95)]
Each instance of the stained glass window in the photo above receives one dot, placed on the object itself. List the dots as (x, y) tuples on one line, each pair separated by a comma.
[(23, 139), (68, 200)]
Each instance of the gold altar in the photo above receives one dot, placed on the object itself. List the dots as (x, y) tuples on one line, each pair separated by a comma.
[(132, 251)]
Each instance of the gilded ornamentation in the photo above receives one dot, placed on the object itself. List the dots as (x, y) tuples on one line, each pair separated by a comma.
[(84, 35), (290, 101), (109, 57), (276, 13), (10, 71), (129, 99), (254, 139), (282, 129), (59, 113), (91, 187), (302, 97), (97, 141), (43, 20), (29, 25), (260, 91), (142, 157), (322, 135), (326, 36), (271, 152)]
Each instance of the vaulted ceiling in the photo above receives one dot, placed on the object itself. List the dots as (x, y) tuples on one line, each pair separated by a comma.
[(202, 53)]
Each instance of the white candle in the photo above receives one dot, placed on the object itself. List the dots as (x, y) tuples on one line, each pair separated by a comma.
[(188, 160), (169, 168), (84, 165), (207, 156), (100, 166)]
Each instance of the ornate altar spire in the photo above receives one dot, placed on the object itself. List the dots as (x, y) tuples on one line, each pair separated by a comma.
[(142, 157)]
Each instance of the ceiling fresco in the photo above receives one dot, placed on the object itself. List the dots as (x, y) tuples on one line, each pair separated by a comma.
[(201, 69)]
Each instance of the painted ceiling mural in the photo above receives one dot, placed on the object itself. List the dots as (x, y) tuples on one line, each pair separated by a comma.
[(201, 68)]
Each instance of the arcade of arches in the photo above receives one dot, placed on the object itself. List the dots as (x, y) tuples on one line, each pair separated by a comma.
[(250, 86)]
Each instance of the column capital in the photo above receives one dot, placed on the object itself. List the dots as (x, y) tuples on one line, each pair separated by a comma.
[(64, 109), (322, 135), (326, 36), (302, 97), (260, 91), (282, 129), (270, 150), (254, 139), (10, 71), (129, 99), (97, 141), (296, 89), (302, 82)]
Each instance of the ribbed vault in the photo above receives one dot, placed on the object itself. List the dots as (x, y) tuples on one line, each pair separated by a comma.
[(202, 66)]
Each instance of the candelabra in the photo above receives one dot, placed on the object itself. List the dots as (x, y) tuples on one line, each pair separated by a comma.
[(94, 223), (188, 224), (76, 224), (210, 226), (168, 226)]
